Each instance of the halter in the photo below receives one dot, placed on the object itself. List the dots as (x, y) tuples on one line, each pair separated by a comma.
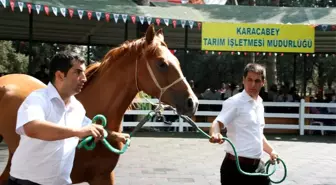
[(159, 107)]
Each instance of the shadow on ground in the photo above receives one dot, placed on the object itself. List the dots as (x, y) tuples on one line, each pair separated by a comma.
[(271, 137)]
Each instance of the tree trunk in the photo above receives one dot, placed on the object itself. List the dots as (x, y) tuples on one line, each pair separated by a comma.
[(271, 67)]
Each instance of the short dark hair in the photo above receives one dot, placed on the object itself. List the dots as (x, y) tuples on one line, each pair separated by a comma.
[(255, 68), (62, 61)]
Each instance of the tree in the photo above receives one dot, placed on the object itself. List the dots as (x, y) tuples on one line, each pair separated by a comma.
[(12, 62)]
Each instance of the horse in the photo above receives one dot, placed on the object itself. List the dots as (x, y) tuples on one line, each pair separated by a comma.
[(145, 64)]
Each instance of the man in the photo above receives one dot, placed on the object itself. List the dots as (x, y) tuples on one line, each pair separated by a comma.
[(243, 117), (50, 122)]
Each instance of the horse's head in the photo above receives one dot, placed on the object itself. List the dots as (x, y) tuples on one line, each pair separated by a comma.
[(160, 74)]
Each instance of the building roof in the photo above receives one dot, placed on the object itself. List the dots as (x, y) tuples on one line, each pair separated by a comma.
[(75, 30)]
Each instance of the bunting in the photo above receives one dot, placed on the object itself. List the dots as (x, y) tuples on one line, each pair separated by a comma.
[(91, 15), (325, 55)]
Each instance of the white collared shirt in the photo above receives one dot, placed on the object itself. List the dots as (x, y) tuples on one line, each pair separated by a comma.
[(244, 119), (47, 162)]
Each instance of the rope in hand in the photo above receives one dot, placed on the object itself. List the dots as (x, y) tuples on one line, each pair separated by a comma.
[(267, 164), (89, 144)]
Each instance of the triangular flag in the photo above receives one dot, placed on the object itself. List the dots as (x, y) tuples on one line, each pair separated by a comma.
[(89, 14), (38, 8), (29, 6), (158, 20), (98, 15), (71, 12), (191, 24), (142, 19), (107, 17), (63, 11), (166, 21), (20, 6), (174, 23), (46, 9), (133, 17), (183, 23), (80, 13), (12, 4), (174, 50), (54, 9), (199, 24), (124, 17), (3, 3), (324, 27), (149, 19), (116, 17)]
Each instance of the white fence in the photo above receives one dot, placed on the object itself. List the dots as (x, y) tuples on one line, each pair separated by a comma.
[(301, 116)]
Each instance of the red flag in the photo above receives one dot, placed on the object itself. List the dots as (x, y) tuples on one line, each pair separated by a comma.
[(107, 17), (174, 23), (29, 5), (71, 12), (199, 24), (89, 13), (133, 17), (12, 4), (46, 9), (158, 21)]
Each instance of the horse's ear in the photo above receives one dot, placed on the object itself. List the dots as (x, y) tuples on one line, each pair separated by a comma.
[(159, 33), (150, 34)]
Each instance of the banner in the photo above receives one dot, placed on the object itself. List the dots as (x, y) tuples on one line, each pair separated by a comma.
[(258, 37)]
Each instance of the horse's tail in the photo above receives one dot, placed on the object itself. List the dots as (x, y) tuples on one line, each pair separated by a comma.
[(5, 174)]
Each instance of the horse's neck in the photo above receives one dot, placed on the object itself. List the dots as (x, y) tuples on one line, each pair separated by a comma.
[(110, 93)]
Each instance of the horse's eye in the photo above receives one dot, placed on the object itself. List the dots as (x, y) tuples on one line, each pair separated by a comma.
[(162, 65)]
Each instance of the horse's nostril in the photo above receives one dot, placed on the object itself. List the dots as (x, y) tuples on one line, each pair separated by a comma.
[(190, 103)]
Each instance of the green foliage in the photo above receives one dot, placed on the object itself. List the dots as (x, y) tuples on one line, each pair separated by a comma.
[(144, 106), (10, 61)]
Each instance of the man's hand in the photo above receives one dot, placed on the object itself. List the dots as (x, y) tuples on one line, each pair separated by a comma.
[(94, 130), (216, 138), (120, 137), (274, 156)]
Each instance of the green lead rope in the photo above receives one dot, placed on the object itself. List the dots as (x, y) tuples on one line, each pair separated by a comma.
[(89, 144), (267, 164)]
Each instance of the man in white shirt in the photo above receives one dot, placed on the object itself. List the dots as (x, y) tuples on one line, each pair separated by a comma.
[(243, 117), (50, 122)]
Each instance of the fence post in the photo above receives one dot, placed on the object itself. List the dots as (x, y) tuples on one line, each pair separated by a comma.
[(302, 116), (122, 124), (181, 124)]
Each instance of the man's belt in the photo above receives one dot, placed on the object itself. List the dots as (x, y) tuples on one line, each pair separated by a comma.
[(243, 160)]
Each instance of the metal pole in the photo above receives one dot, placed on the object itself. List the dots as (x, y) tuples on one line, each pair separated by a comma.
[(304, 75), (126, 31), (294, 71), (88, 50), (185, 48), (30, 67)]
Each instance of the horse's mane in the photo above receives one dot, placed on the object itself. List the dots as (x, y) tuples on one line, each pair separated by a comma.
[(133, 47), (127, 48)]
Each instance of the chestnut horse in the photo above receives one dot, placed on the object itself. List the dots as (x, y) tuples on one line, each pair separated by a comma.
[(144, 64)]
